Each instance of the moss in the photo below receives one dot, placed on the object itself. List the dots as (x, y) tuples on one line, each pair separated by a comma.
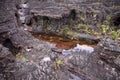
[(72, 35), (45, 24), (20, 57), (93, 14), (69, 33), (115, 7), (82, 27), (97, 3), (82, 16), (24, 1), (64, 30)]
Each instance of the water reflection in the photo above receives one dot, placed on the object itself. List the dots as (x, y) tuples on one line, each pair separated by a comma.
[(78, 48)]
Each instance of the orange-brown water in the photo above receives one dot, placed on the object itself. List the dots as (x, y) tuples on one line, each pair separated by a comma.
[(61, 43)]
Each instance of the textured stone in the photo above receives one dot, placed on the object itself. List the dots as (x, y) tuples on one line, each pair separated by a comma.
[(102, 64), (59, 16)]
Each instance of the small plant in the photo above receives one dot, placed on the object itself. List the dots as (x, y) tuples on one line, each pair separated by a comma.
[(82, 27), (115, 34), (58, 62), (82, 16), (108, 18), (94, 14), (104, 28), (20, 57)]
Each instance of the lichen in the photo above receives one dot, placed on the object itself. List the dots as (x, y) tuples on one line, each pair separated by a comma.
[(115, 7), (82, 27), (64, 30), (72, 35), (97, 3)]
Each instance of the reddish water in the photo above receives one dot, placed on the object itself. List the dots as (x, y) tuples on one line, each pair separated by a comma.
[(61, 43)]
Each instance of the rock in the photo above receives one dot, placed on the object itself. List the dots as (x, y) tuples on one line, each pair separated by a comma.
[(117, 61), (60, 17), (109, 52), (7, 64), (101, 64), (110, 44), (115, 18), (40, 62), (8, 23)]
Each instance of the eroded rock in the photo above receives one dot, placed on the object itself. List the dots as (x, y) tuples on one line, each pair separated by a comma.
[(7, 64), (102, 64), (77, 19)]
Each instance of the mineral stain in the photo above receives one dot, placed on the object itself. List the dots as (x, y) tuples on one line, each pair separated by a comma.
[(61, 43)]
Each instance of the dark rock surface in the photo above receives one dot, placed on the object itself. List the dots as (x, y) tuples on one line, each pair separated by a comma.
[(115, 19), (7, 64), (36, 61)]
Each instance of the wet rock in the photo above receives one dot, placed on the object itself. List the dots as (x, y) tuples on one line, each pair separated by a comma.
[(78, 48)]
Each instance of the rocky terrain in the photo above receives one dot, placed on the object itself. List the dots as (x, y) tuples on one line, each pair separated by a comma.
[(77, 19), (24, 57)]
